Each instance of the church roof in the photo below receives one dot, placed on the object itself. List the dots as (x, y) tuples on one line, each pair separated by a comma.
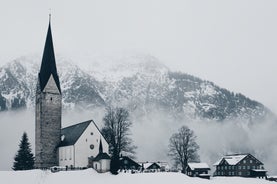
[(101, 156), (72, 133), (48, 64)]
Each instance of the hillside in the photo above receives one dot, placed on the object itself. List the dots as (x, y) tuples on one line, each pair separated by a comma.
[(89, 176), (140, 83)]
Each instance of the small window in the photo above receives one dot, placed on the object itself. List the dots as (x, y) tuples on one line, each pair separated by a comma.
[(251, 161), (91, 146), (51, 98), (86, 140), (91, 133), (244, 161)]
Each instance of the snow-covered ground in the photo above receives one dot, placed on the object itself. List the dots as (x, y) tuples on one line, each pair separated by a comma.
[(90, 176)]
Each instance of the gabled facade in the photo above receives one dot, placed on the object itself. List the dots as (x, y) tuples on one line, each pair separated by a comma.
[(126, 163), (198, 170), (151, 167), (48, 109), (244, 165), (80, 142)]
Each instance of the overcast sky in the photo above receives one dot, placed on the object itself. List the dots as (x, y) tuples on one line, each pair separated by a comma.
[(232, 43)]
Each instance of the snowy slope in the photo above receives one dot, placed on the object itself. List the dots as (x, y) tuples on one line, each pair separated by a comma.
[(90, 176)]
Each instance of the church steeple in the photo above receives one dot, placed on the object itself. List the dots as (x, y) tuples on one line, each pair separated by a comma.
[(100, 146), (48, 109), (48, 64)]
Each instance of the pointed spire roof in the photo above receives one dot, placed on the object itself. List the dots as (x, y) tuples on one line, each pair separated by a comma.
[(48, 64), (100, 146)]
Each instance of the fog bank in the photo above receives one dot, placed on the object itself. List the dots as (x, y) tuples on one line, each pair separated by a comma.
[(151, 133)]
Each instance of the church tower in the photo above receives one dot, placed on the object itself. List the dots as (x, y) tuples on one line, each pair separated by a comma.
[(48, 109)]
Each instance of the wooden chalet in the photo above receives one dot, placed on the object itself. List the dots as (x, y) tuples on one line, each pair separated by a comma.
[(151, 167), (200, 170), (243, 165), (127, 163)]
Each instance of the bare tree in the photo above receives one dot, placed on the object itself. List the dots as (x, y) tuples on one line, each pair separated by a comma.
[(117, 132), (183, 147)]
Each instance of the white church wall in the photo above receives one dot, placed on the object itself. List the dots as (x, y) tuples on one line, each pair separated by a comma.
[(96, 166), (102, 165), (88, 145), (105, 164), (66, 156)]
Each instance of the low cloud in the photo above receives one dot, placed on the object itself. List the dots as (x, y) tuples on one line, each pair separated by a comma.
[(151, 134)]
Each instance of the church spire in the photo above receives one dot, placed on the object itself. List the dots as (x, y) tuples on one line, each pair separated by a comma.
[(100, 146), (48, 64)]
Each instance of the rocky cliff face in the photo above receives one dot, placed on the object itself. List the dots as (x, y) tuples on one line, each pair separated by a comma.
[(140, 83)]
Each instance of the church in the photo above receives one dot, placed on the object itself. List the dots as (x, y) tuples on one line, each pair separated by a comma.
[(71, 146)]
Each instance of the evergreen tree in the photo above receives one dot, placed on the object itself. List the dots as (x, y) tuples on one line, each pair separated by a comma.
[(24, 159)]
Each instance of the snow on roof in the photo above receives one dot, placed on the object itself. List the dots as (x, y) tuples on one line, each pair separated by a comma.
[(272, 177), (198, 166), (232, 159), (259, 170), (148, 164)]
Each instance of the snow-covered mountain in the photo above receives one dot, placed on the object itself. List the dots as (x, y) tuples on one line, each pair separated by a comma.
[(139, 82)]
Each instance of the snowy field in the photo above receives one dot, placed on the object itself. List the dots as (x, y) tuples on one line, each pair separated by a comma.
[(90, 176)]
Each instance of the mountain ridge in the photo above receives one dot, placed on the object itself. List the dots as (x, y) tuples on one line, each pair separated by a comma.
[(138, 82)]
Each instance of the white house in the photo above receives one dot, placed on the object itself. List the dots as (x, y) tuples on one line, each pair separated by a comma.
[(79, 142)]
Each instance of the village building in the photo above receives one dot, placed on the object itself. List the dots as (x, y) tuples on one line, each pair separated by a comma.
[(200, 170), (72, 146), (243, 165), (150, 166), (155, 166), (126, 163), (164, 166)]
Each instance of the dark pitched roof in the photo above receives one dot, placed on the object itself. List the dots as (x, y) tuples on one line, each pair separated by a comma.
[(100, 146), (151, 166), (129, 162), (48, 64), (101, 156), (234, 159), (72, 133)]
